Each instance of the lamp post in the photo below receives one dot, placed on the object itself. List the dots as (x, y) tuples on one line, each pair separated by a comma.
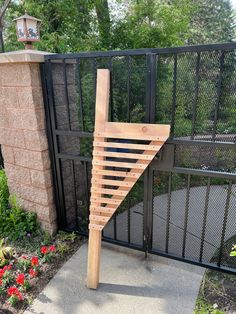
[(27, 28)]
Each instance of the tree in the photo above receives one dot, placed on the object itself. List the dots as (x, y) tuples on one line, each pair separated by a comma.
[(213, 22), (2, 13), (104, 22)]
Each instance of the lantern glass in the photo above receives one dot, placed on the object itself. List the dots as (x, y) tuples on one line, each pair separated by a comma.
[(21, 34), (27, 28), (32, 30)]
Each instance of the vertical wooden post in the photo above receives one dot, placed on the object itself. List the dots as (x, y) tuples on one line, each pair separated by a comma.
[(101, 116), (94, 251)]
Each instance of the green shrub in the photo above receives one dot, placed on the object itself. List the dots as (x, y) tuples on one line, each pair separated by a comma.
[(15, 223), (4, 193)]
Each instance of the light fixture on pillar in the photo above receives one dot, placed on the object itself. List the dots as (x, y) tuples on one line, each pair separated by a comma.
[(27, 28)]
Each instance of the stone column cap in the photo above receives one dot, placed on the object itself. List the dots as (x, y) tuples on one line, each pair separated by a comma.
[(23, 56)]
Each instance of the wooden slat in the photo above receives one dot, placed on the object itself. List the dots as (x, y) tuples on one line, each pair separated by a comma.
[(140, 129), (108, 191), (105, 200), (104, 210), (112, 182), (95, 227), (112, 173), (128, 145), (131, 136), (131, 171), (95, 218), (122, 155), (119, 164)]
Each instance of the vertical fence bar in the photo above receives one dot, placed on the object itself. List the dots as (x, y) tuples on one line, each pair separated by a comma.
[(150, 102), (128, 86), (111, 114), (150, 88), (186, 215), (80, 96), (145, 212), (222, 56), (61, 210), (2, 42), (150, 208), (195, 96), (74, 192), (66, 94), (174, 97), (87, 191), (129, 222), (168, 213), (205, 218), (1, 159), (224, 224)]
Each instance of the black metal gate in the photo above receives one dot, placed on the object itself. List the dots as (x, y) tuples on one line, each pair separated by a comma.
[(184, 206)]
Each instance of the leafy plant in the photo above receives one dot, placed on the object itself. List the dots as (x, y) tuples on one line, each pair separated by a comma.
[(233, 253), (203, 307), (65, 236), (23, 263), (6, 253), (4, 192), (15, 222)]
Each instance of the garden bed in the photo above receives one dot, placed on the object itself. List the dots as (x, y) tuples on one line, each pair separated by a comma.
[(217, 294), (35, 261)]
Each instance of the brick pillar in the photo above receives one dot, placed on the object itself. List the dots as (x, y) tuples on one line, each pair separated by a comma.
[(23, 135)]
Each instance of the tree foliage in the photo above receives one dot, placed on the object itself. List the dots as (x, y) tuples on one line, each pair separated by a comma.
[(213, 22)]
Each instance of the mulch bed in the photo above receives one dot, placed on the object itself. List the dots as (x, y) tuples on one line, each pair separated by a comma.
[(219, 290), (67, 248)]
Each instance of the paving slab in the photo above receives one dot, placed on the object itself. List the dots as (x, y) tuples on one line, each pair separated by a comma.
[(129, 283)]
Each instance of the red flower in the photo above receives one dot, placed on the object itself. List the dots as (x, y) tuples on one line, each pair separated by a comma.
[(52, 248), (20, 279), (44, 250), (34, 261), (13, 291), (1, 272), (33, 273), (7, 267), (0, 282), (19, 296), (24, 257)]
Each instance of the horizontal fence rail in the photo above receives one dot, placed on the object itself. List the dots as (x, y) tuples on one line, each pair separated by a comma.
[(191, 88)]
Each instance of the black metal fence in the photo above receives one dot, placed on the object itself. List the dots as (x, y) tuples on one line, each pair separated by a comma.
[(1, 159), (1, 42), (184, 205)]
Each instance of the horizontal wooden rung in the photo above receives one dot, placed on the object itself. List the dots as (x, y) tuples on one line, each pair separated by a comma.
[(99, 218), (122, 174), (119, 164), (109, 191), (95, 227), (105, 200), (123, 155), (104, 210), (132, 136), (138, 129), (128, 145), (112, 182)]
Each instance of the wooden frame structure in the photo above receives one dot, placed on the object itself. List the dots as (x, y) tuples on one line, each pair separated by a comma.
[(117, 147)]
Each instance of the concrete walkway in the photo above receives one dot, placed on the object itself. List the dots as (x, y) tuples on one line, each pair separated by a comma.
[(129, 284)]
